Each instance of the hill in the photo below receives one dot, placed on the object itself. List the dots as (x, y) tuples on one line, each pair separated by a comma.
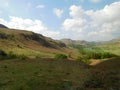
[(36, 45), (41, 72), (112, 46), (74, 42), (3, 26), (105, 75), (30, 44), (116, 40)]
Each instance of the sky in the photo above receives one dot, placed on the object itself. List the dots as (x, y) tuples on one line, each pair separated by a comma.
[(90, 20)]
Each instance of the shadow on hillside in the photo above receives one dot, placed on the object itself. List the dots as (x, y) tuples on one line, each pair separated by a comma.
[(105, 75), (113, 63)]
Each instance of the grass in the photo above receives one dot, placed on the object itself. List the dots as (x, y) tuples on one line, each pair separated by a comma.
[(111, 47), (29, 52), (51, 74), (105, 75), (60, 56), (42, 74), (30, 44)]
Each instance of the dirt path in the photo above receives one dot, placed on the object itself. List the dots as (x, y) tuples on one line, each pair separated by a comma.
[(95, 62)]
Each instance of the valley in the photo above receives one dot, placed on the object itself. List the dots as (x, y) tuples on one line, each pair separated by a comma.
[(31, 61)]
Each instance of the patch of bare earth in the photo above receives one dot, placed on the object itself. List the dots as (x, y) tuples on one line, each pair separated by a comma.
[(95, 62)]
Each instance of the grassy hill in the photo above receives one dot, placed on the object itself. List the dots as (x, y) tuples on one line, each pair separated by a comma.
[(71, 42), (105, 75), (112, 46), (43, 72), (30, 44), (51, 74)]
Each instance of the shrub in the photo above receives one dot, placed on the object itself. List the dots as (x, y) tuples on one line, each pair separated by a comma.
[(10, 55), (70, 55), (80, 58), (60, 56), (11, 37), (95, 54), (107, 55), (38, 56), (83, 59), (22, 57), (2, 54)]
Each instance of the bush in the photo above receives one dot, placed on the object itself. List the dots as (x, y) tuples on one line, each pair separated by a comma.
[(22, 57), (83, 59), (95, 54), (2, 54), (10, 55), (80, 58), (60, 56)]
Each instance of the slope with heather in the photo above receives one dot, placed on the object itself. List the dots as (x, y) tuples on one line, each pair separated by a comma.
[(31, 44)]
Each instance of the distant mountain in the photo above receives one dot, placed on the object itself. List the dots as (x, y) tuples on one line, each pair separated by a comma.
[(116, 40), (75, 42), (3, 26)]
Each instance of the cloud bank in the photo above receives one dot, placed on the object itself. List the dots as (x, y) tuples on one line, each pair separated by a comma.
[(36, 26), (101, 24)]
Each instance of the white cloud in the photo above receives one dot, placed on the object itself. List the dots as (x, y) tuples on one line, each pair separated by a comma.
[(36, 26), (102, 24), (77, 24), (95, 1), (40, 6), (76, 11), (58, 12), (2, 21)]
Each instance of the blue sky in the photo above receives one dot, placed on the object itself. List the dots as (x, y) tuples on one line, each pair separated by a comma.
[(76, 19)]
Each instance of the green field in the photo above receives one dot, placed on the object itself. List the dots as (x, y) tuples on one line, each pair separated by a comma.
[(112, 47)]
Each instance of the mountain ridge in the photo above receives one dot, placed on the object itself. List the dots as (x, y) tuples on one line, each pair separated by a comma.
[(77, 42), (25, 42), (3, 26)]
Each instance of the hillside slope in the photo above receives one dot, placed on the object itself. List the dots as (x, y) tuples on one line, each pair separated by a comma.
[(105, 75), (29, 43), (112, 46), (74, 42), (3, 26)]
